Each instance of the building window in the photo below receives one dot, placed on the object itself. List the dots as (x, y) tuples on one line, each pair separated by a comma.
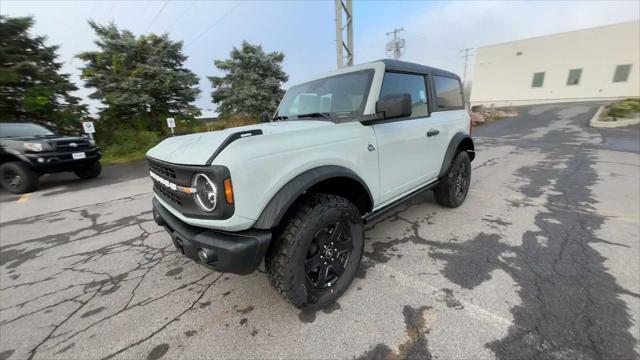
[(622, 73), (574, 76), (538, 79), (448, 92)]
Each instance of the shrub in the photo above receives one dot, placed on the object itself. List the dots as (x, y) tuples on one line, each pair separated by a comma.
[(124, 145), (624, 109), (129, 145)]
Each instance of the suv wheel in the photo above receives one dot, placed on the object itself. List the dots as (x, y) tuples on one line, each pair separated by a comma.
[(317, 252), (89, 171), (454, 186), (18, 178)]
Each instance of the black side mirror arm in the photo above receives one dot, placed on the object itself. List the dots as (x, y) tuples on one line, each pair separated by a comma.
[(371, 119)]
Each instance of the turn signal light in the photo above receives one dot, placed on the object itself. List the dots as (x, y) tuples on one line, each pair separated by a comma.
[(228, 191)]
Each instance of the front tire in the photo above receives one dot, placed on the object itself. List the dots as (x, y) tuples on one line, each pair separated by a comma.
[(89, 171), (317, 252), (18, 178), (454, 186)]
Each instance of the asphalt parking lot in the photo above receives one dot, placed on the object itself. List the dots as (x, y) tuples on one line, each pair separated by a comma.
[(542, 261)]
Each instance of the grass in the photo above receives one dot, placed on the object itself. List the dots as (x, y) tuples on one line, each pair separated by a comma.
[(111, 159), (621, 109)]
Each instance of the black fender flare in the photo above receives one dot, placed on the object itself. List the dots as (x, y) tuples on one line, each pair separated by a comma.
[(454, 144), (275, 210), (17, 154)]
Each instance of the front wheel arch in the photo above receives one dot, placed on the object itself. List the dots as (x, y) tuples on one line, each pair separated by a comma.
[(328, 179)]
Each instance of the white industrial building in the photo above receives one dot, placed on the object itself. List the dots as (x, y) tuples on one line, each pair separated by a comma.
[(600, 63)]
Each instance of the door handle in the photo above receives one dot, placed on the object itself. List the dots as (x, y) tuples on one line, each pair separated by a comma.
[(433, 132)]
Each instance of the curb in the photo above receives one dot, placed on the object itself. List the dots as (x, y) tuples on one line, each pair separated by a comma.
[(594, 122)]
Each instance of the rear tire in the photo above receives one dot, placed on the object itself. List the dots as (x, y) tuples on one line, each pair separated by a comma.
[(18, 178), (454, 185), (89, 171), (317, 251)]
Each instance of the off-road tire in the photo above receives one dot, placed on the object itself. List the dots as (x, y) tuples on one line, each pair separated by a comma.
[(28, 179), (449, 192), (285, 260), (89, 171)]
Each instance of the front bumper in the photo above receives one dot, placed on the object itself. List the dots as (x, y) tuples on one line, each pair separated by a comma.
[(234, 252), (51, 162)]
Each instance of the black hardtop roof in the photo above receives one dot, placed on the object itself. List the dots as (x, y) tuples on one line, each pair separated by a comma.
[(405, 66)]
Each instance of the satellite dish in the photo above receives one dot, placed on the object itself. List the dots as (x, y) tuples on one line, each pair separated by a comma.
[(389, 46)]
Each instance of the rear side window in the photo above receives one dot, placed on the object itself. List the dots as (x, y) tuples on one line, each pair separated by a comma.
[(397, 83), (448, 92)]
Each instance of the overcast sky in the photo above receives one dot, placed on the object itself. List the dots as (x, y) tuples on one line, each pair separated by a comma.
[(304, 30)]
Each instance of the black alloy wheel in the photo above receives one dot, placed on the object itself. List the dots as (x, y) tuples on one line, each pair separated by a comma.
[(461, 180), (316, 251), (454, 185), (12, 179), (328, 255), (17, 177)]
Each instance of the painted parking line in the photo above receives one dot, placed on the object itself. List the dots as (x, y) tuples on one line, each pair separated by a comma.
[(24, 198)]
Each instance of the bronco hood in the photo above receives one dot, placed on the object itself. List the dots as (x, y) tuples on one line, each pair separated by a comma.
[(197, 149)]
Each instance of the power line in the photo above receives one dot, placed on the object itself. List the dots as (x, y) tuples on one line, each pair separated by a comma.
[(157, 15), (213, 24), (466, 57), (81, 35), (397, 44), (181, 15)]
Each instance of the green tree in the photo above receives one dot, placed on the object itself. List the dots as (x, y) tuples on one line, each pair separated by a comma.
[(31, 85), (252, 82), (141, 80)]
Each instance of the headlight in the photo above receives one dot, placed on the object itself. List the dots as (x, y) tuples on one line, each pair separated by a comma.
[(92, 143), (206, 192), (36, 147)]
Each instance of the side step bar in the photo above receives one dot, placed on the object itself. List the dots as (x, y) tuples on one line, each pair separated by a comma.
[(373, 216)]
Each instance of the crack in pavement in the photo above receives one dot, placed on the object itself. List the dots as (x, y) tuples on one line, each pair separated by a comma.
[(83, 265)]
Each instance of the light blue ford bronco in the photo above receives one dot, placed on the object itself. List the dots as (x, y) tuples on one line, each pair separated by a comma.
[(296, 192)]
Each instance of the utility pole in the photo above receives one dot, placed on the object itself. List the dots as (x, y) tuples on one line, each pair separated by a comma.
[(466, 58), (397, 45), (345, 6)]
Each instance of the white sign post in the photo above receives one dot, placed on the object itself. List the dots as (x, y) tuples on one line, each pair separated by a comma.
[(171, 123), (89, 128)]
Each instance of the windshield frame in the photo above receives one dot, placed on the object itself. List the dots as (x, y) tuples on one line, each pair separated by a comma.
[(356, 115), (2, 136)]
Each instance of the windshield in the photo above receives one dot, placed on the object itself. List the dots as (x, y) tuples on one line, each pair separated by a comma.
[(23, 130), (341, 96)]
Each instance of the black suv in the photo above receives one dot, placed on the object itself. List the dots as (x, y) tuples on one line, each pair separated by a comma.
[(28, 150)]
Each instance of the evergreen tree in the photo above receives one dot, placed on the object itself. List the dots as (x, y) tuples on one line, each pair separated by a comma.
[(141, 80), (252, 83), (31, 85)]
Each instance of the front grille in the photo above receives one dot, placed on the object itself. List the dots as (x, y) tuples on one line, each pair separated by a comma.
[(65, 145), (166, 193), (182, 175), (162, 170)]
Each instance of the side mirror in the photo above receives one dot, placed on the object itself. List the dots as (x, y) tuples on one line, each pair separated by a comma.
[(394, 106), (264, 117)]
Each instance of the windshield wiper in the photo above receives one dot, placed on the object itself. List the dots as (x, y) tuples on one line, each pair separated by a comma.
[(280, 117), (315, 115)]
